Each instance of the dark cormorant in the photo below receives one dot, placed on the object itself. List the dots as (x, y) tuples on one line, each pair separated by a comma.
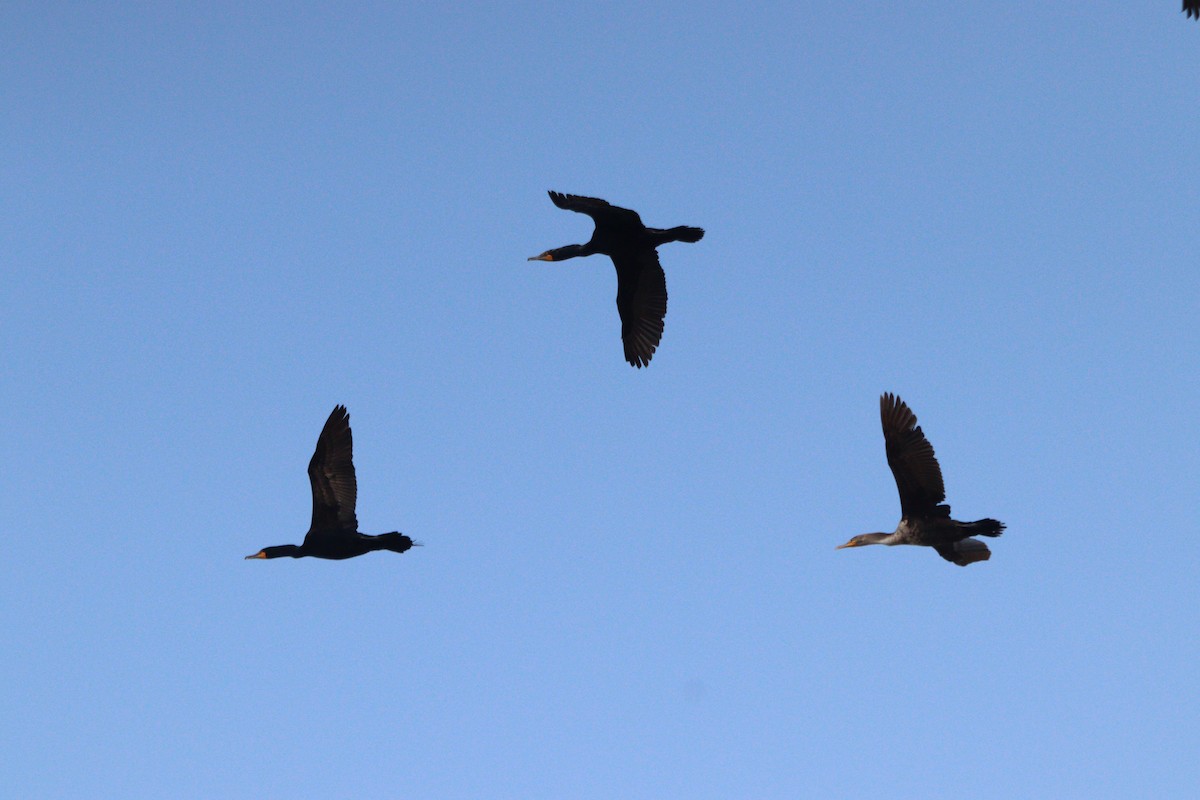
[(925, 518), (641, 284), (334, 530), (1192, 8)]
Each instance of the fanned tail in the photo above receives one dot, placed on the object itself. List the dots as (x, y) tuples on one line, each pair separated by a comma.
[(982, 527), (685, 233)]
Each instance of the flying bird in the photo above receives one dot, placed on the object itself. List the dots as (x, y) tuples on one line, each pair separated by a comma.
[(1192, 8), (925, 517), (641, 284), (334, 529)]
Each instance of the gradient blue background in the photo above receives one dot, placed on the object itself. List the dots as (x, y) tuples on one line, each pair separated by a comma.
[(217, 222)]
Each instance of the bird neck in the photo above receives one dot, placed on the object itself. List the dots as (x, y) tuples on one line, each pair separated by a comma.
[(570, 251), (279, 551), (877, 538)]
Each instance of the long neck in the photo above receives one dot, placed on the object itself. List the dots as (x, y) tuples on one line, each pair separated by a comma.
[(279, 551), (570, 251), (876, 538)]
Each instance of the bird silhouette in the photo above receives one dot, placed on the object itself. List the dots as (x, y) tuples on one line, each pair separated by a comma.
[(641, 284), (334, 532), (925, 517)]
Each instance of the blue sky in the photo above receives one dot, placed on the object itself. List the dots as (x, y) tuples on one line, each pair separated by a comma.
[(217, 222)]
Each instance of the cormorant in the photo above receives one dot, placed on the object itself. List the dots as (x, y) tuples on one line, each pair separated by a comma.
[(925, 518), (641, 284), (334, 529)]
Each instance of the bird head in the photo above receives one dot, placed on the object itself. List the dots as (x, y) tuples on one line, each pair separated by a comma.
[(559, 253), (863, 539), (276, 552)]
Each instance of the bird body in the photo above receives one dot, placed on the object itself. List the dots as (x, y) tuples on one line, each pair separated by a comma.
[(641, 283), (333, 533), (925, 517), (339, 546)]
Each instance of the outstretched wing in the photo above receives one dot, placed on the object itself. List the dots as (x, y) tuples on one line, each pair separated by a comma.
[(1192, 8), (331, 472), (642, 304), (910, 455), (599, 210)]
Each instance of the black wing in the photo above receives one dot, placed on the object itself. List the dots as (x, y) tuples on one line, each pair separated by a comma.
[(331, 472), (642, 304), (910, 455), (599, 210), (1192, 8)]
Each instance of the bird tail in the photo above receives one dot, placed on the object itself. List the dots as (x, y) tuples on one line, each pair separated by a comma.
[(982, 527), (685, 233), (396, 541)]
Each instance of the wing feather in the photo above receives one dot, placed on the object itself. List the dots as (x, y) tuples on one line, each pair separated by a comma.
[(599, 210), (910, 455), (331, 473), (642, 304)]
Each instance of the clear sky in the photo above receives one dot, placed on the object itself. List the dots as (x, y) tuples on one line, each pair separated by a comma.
[(218, 220)]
